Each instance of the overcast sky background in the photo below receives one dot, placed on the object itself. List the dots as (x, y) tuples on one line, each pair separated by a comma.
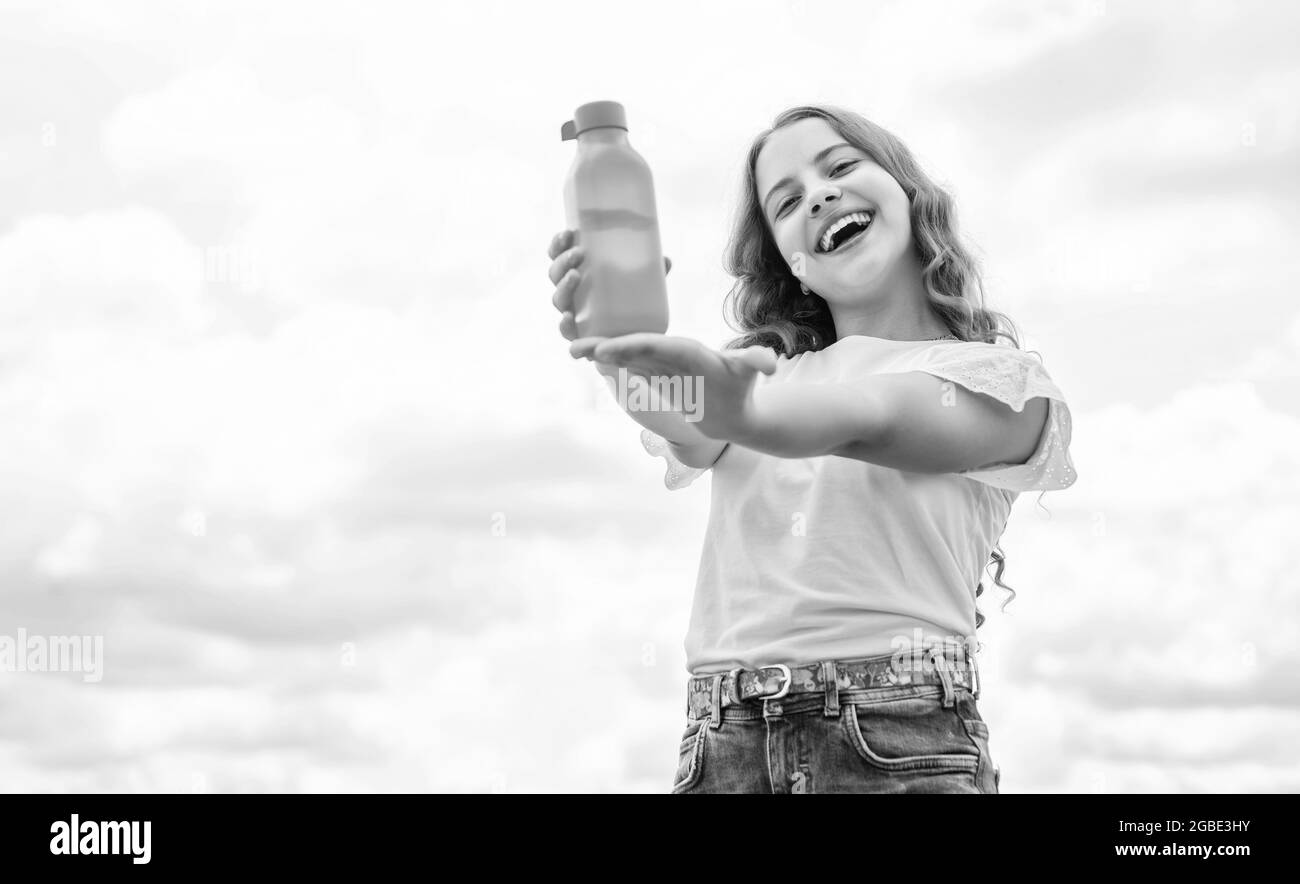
[(286, 418)]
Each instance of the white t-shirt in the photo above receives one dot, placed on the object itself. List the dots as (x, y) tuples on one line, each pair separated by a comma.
[(830, 558)]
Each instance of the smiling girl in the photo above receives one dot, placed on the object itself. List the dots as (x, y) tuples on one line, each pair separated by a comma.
[(868, 435)]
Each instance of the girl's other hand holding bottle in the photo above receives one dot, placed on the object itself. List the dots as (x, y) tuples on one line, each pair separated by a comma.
[(564, 274)]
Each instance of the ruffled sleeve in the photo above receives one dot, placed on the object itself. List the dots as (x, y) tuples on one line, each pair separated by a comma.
[(679, 475), (1014, 377)]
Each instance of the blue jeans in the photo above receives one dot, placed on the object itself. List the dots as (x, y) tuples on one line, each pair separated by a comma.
[(878, 740)]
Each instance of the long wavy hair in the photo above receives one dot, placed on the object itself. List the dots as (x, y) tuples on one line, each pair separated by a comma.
[(768, 308)]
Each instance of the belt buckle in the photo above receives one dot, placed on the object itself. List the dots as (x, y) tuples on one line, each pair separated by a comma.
[(785, 689)]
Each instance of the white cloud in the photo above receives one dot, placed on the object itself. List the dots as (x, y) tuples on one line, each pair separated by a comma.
[(1274, 362), (220, 117), (127, 270), (1202, 445)]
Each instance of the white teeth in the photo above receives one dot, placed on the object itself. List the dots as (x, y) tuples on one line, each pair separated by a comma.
[(861, 217)]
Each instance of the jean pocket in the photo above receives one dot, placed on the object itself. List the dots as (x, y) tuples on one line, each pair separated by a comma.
[(916, 734), (989, 776), (690, 755)]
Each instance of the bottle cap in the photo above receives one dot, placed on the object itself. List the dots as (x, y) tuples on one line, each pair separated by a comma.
[(594, 115)]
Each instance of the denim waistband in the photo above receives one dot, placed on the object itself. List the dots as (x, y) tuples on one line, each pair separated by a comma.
[(710, 694)]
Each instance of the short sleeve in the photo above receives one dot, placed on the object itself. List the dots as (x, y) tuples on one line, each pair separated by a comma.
[(679, 475), (1013, 376)]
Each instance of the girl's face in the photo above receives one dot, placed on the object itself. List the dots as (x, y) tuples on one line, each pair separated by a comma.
[(807, 176)]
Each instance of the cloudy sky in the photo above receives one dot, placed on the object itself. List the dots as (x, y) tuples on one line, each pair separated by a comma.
[(288, 422)]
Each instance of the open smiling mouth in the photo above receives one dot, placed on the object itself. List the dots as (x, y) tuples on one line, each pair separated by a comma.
[(845, 233)]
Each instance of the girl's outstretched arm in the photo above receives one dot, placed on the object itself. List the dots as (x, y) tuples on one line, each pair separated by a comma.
[(911, 421)]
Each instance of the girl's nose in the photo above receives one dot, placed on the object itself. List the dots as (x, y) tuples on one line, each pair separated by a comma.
[(824, 198)]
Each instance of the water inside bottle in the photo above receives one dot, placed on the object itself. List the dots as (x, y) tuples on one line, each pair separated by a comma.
[(620, 237)]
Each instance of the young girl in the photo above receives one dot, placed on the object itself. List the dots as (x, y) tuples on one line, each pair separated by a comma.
[(867, 436)]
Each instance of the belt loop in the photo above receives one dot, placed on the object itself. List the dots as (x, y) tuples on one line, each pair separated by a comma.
[(832, 687), (974, 662), (941, 666), (715, 704)]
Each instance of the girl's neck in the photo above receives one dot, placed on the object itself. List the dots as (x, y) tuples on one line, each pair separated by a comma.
[(894, 331), (898, 311)]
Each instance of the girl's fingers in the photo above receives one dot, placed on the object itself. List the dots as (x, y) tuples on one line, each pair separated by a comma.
[(559, 243), (639, 345), (584, 348), (632, 370), (563, 297), (642, 364), (658, 355), (568, 328), (633, 357), (660, 368), (564, 263), (616, 352)]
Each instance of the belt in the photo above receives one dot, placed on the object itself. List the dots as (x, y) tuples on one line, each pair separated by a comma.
[(779, 680)]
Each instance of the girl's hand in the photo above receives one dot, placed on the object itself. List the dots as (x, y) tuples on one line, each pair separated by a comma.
[(723, 382), (564, 273)]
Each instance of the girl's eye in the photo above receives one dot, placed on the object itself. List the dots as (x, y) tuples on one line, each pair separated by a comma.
[(780, 210)]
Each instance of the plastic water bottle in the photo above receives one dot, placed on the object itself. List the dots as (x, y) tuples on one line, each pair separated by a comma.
[(609, 200)]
